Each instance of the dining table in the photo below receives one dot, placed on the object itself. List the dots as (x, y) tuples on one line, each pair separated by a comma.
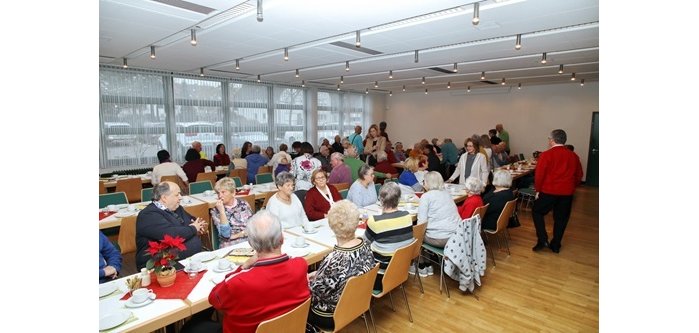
[(110, 219)]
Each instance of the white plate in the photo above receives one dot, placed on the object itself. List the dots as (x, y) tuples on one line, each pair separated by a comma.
[(131, 304), (114, 319), (295, 252), (298, 247), (124, 213), (201, 268), (217, 279), (218, 270), (205, 256), (107, 288)]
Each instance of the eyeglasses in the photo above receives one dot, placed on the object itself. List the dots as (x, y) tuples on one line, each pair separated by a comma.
[(320, 178)]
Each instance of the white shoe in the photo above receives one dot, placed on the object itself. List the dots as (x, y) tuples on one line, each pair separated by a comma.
[(424, 271), (462, 287), (411, 270), (430, 271)]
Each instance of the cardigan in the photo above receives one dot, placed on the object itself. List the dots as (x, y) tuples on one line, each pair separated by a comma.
[(479, 169), (316, 205)]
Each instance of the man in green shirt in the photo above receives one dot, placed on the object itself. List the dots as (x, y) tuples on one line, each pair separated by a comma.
[(504, 136), (354, 164)]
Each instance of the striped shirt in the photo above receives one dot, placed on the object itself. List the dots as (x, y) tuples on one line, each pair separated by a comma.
[(389, 231)]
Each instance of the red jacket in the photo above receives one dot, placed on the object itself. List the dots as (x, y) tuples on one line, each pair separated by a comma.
[(270, 288), (558, 171), (316, 206), (470, 204)]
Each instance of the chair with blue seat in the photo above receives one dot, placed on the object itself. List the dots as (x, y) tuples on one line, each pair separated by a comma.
[(378, 188), (262, 178), (147, 194), (208, 176), (343, 193), (200, 187), (238, 182), (116, 198)]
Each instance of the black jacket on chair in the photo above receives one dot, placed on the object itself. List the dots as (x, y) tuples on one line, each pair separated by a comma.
[(154, 223)]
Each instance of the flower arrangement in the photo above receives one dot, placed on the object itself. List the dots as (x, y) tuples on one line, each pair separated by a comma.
[(164, 253)]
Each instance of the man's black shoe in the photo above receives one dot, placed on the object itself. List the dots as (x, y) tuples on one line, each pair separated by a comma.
[(555, 248), (539, 246)]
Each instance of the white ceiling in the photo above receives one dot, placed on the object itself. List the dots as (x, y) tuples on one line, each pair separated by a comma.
[(568, 31)]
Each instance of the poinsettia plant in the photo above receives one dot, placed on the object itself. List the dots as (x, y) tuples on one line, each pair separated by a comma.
[(164, 253)]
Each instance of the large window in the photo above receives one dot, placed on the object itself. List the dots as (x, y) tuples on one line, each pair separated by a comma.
[(248, 114), (289, 111), (338, 113), (352, 112), (198, 116), (132, 119)]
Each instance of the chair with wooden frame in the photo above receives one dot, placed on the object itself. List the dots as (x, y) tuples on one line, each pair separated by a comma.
[(103, 189), (210, 176), (237, 181), (200, 187), (419, 235), (263, 178), (355, 300), (293, 321), (396, 274), (341, 186), (481, 211), (240, 173), (115, 198), (208, 241), (343, 193), (250, 198), (264, 169), (127, 242), (132, 187), (266, 199), (147, 194), (501, 227), (184, 190)]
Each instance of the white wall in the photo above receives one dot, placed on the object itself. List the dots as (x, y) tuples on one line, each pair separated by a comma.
[(528, 115)]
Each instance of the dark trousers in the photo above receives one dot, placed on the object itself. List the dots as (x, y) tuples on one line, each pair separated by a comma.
[(561, 205)]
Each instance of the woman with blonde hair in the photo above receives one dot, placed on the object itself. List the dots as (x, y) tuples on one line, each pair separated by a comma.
[(374, 142), (407, 177), (230, 215)]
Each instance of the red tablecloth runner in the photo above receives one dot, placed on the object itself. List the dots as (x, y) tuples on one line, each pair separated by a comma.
[(180, 290), (106, 214)]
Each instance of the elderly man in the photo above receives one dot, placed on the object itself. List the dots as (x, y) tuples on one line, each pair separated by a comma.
[(165, 216), (340, 172), (324, 157), (266, 285), (337, 145), (356, 140), (504, 136), (197, 146), (500, 157), (355, 163), (255, 160)]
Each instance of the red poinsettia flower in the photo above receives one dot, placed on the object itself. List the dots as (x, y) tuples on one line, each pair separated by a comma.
[(164, 253)]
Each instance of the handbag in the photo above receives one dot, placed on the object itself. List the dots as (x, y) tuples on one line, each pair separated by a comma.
[(513, 222)]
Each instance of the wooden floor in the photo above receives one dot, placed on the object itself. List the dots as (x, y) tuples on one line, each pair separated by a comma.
[(526, 292)]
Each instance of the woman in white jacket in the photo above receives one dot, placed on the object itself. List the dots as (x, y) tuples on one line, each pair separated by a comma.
[(471, 164)]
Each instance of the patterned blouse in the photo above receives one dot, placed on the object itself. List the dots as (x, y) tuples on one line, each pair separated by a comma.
[(302, 168), (237, 217), (340, 265)]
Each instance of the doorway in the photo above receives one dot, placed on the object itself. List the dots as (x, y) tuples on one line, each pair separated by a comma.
[(592, 173)]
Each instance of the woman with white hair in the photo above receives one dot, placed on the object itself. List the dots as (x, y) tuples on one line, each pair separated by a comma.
[(362, 192), (502, 180), (285, 204), (474, 187)]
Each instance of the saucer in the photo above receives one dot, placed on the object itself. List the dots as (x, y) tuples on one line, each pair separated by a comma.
[(298, 247), (298, 253), (107, 288), (205, 256), (131, 304), (218, 270), (313, 231), (217, 279), (201, 268), (114, 319)]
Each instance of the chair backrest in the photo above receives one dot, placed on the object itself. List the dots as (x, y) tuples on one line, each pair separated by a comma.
[(264, 169), (132, 188), (266, 199), (292, 321), (377, 186), (343, 193), (127, 235), (397, 271), (202, 210), (341, 186), (238, 182), (210, 176), (301, 194), (115, 198), (177, 180), (262, 178), (419, 234), (250, 198), (200, 187), (103, 189), (355, 298), (504, 217), (521, 157), (147, 194), (240, 173), (480, 211)]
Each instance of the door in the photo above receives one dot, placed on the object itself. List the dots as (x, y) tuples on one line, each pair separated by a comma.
[(592, 178)]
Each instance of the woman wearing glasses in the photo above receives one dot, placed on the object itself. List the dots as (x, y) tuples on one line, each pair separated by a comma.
[(320, 197)]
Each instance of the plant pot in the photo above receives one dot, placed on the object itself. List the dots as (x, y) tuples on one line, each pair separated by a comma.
[(166, 278)]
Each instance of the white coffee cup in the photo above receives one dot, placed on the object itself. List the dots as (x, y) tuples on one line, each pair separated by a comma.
[(224, 264), (194, 264), (132, 208), (140, 295), (300, 241), (112, 208)]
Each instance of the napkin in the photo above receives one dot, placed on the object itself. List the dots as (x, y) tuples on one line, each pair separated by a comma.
[(106, 214), (180, 290)]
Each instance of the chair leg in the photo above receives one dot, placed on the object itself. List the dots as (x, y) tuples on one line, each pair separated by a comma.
[(507, 244), (417, 274), (490, 246), (371, 316), (443, 279), (390, 296), (366, 322), (410, 314)]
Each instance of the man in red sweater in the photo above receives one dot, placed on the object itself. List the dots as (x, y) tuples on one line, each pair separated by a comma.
[(267, 285), (558, 173)]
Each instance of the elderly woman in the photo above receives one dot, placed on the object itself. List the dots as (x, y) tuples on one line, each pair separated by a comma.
[(195, 164), (389, 231), (230, 215), (285, 205), (240, 163), (408, 178), (502, 180), (362, 192), (474, 187), (350, 257), (399, 153), (383, 165), (471, 164), (221, 158), (302, 167), (374, 141), (320, 197)]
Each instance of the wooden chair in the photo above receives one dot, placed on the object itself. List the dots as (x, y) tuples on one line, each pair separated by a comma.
[(250, 198), (147, 194), (264, 169), (127, 244), (355, 300), (115, 198), (341, 186), (202, 210), (210, 176), (480, 211), (396, 274), (293, 321), (238, 182), (177, 180), (240, 173), (419, 234), (103, 189), (200, 186), (501, 227), (266, 199), (132, 187), (262, 178)]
